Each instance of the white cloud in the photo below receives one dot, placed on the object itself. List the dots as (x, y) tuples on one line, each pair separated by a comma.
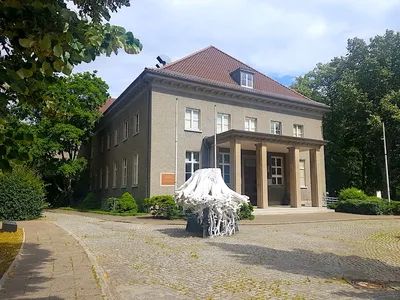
[(280, 38)]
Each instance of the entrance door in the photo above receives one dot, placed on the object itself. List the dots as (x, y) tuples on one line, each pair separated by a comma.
[(250, 179)]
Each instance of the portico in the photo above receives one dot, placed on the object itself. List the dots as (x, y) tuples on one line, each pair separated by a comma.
[(274, 169)]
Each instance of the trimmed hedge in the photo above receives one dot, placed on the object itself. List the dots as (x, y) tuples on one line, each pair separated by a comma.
[(363, 207), (352, 194), (125, 204), (22, 194), (91, 201), (163, 207)]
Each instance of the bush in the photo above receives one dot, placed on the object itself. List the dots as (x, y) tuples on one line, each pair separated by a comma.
[(246, 212), (394, 207), (127, 204), (163, 207), (352, 194), (91, 201), (332, 205), (364, 207), (22, 194)]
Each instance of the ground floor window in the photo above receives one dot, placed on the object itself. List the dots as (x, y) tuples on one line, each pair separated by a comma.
[(192, 163), (276, 170), (224, 165), (302, 166), (135, 170)]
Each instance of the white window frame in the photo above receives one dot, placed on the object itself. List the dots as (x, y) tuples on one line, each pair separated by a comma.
[(115, 174), (275, 167), (92, 151), (248, 122), (273, 127), (192, 163), (246, 79), (126, 129), (124, 172), (116, 136), (298, 130), (107, 177), (222, 164), (101, 179), (135, 170), (223, 122), (136, 124), (302, 173), (191, 126), (108, 141)]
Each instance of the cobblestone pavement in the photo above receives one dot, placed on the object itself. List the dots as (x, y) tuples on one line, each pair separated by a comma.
[(287, 261), (52, 266)]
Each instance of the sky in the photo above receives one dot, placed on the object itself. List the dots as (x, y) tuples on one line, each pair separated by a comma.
[(281, 38)]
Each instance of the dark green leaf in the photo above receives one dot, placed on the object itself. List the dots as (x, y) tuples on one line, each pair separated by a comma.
[(45, 43), (27, 43), (58, 65), (58, 50)]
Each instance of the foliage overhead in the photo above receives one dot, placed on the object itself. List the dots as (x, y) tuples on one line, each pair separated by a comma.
[(41, 39), (363, 90)]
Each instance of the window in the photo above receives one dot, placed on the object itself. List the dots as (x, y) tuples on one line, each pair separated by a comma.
[(102, 144), (302, 166), (124, 172), (135, 170), (192, 163), (95, 181), (92, 152), (108, 141), (91, 181), (298, 130), (250, 124), (223, 122), (115, 174), (192, 119), (135, 124), (276, 127), (126, 130), (107, 177), (224, 165), (101, 179), (276, 170), (116, 136), (246, 79)]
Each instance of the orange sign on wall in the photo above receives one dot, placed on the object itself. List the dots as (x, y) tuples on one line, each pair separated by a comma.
[(167, 179)]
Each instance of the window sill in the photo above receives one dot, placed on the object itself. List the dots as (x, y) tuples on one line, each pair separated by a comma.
[(124, 140), (114, 187), (303, 187), (136, 133), (123, 187), (135, 185), (193, 130)]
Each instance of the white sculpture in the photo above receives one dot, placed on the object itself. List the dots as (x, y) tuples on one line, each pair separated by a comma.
[(207, 192)]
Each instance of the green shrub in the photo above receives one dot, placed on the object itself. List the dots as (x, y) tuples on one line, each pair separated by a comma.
[(22, 194), (91, 201), (163, 207), (246, 212), (127, 204), (394, 207), (352, 194), (332, 205), (364, 207), (112, 203)]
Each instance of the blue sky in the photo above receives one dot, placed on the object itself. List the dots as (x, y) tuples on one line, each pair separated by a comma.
[(282, 39)]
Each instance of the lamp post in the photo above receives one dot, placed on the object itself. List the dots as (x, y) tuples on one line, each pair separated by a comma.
[(386, 162)]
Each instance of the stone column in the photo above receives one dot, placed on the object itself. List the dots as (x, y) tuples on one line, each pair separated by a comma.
[(262, 180), (295, 195), (236, 165), (315, 176)]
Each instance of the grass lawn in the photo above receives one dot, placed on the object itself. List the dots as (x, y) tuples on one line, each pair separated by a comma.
[(10, 242), (102, 212)]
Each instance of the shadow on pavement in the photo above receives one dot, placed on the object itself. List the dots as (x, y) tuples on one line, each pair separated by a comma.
[(27, 277), (179, 232), (323, 265)]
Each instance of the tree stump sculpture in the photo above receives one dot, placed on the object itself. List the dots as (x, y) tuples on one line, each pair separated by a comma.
[(213, 203)]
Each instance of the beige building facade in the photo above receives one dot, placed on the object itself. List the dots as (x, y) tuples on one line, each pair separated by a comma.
[(269, 141)]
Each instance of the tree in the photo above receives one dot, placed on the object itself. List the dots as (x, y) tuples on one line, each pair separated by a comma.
[(40, 39), (63, 127), (363, 90)]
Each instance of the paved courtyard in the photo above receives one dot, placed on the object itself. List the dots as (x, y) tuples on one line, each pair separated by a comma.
[(286, 261)]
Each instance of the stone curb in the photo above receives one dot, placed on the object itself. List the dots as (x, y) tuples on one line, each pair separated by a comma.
[(97, 268), (14, 264)]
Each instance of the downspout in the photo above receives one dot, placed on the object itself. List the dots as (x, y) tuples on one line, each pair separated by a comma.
[(149, 106)]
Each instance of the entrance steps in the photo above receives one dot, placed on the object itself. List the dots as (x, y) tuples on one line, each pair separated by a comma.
[(287, 210)]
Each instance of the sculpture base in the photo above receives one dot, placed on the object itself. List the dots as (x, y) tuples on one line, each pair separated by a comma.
[(9, 226)]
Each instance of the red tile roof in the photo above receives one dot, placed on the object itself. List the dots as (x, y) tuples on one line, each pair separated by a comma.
[(214, 65), (106, 105)]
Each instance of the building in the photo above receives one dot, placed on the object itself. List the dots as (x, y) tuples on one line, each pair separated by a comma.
[(269, 142)]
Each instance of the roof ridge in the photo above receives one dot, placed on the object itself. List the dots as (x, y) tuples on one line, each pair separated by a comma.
[(187, 56), (259, 72)]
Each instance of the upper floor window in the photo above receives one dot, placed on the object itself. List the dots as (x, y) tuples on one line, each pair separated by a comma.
[(246, 79), (250, 124), (224, 165), (126, 129), (276, 127), (298, 130), (192, 163), (192, 119), (116, 136), (223, 122), (102, 144), (136, 124)]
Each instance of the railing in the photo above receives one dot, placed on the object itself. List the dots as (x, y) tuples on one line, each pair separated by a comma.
[(328, 200)]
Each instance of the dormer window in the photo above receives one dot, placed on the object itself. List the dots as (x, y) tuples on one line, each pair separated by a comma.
[(246, 79)]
